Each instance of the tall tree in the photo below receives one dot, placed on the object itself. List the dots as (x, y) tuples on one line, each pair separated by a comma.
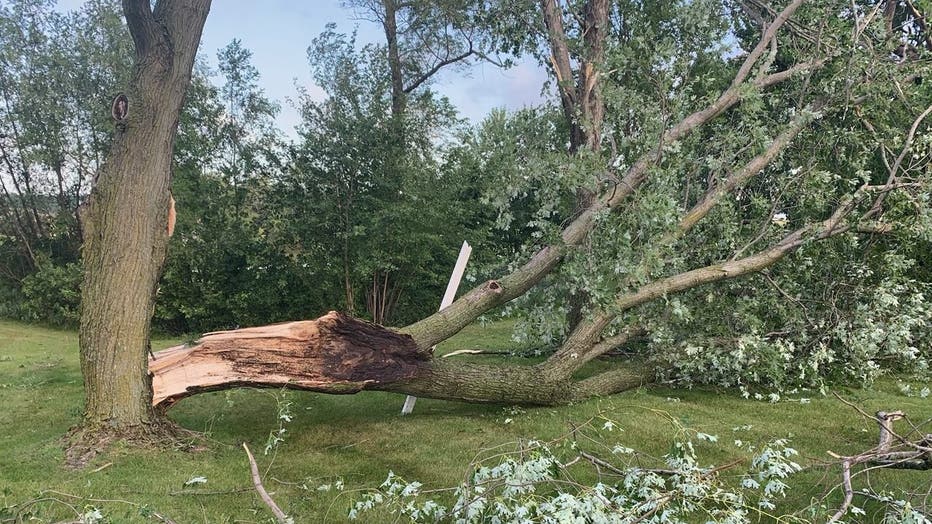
[(423, 38), (125, 218), (226, 249), (67, 64), (582, 103), (368, 197)]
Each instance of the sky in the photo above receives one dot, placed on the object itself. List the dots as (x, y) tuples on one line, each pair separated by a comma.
[(278, 33)]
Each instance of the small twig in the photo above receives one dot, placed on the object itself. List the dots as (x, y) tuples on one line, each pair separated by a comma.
[(474, 352), (257, 482), (347, 446), (158, 516), (599, 462), (105, 466), (191, 492)]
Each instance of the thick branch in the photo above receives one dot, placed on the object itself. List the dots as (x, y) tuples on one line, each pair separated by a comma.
[(581, 346), (145, 31), (448, 322), (463, 311), (611, 382), (780, 76), (769, 34), (741, 176), (560, 56), (583, 340), (263, 494)]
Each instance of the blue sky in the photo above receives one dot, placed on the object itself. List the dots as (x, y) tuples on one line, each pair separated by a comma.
[(278, 33)]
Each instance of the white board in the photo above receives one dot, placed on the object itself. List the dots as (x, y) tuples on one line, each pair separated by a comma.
[(448, 297)]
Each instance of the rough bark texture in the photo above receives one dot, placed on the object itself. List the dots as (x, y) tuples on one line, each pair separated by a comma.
[(125, 220)]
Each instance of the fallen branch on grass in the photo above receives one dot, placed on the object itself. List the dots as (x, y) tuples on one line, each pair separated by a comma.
[(263, 494), (893, 451), (474, 352)]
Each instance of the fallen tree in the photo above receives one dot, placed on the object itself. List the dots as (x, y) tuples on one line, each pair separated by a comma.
[(340, 354)]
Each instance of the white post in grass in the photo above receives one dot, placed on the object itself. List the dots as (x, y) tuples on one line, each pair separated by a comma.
[(448, 297)]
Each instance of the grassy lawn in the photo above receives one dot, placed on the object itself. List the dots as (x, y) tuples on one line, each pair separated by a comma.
[(359, 438)]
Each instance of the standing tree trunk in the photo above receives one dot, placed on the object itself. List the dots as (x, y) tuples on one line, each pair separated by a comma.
[(390, 25), (582, 104), (125, 218)]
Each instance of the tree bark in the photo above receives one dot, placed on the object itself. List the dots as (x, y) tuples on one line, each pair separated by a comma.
[(390, 26), (126, 216)]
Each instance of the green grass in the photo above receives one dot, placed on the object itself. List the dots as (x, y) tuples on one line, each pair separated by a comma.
[(359, 438)]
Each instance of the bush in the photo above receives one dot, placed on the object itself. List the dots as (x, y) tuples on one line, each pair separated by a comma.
[(52, 295), (10, 301)]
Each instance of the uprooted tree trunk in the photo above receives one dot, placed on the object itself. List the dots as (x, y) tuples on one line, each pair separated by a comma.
[(339, 354)]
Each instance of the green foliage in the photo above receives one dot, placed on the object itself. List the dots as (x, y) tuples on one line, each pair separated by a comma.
[(52, 294), (58, 73), (366, 209), (540, 482), (226, 266), (366, 200), (841, 310)]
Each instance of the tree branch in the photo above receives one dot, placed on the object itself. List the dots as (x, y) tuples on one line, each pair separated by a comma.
[(444, 324), (437, 67), (143, 27), (257, 482), (636, 173), (611, 382), (769, 34), (580, 347), (894, 169), (752, 168), (560, 56)]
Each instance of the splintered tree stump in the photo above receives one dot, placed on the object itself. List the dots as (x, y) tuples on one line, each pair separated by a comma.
[(333, 354)]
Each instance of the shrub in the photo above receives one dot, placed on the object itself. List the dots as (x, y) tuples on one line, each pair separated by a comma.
[(52, 295)]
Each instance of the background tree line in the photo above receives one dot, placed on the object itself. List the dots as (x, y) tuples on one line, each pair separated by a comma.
[(350, 214)]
